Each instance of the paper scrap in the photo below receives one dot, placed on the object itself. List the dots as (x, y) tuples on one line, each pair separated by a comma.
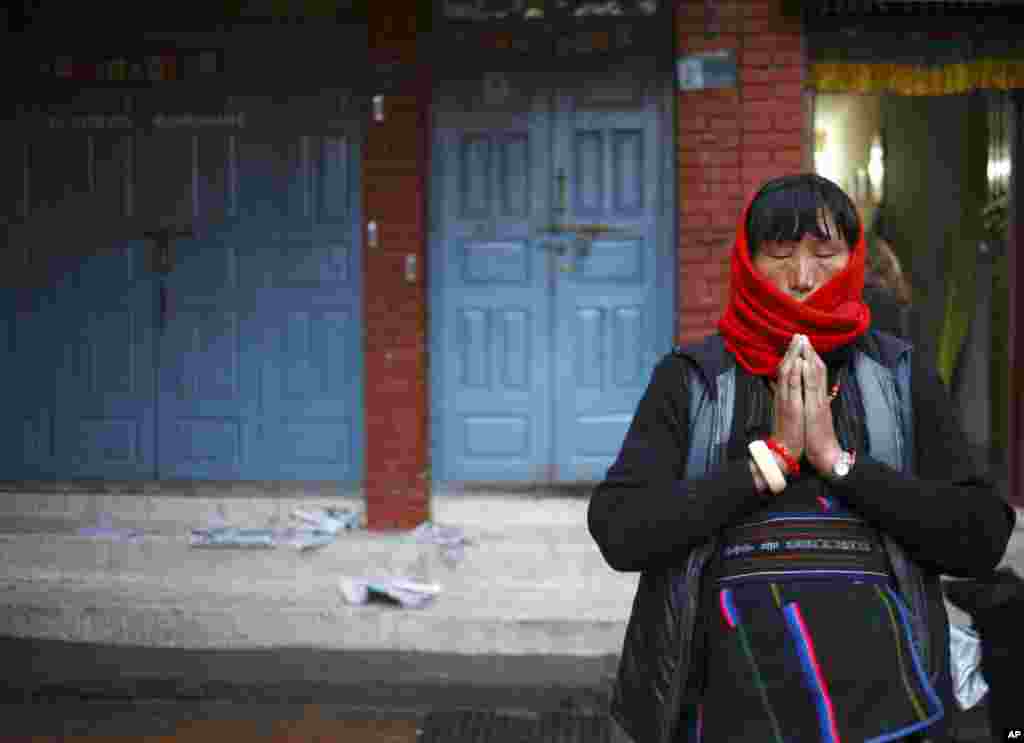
[(451, 540), (105, 529), (325, 523), (410, 594)]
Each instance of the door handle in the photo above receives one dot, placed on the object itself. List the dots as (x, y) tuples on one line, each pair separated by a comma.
[(163, 306), (586, 231), (557, 247), (163, 256)]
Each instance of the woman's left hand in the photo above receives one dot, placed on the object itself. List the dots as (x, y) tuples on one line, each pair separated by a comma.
[(821, 445)]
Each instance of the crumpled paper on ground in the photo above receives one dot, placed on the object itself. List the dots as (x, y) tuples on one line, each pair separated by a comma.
[(410, 594), (410, 585), (105, 529), (450, 539), (324, 526)]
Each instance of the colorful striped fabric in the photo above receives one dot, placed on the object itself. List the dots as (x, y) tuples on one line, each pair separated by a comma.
[(813, 676), (801, 546), (792, 658), (800, 662)]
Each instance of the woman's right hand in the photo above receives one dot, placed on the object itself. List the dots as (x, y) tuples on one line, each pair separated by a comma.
[(788, 405)]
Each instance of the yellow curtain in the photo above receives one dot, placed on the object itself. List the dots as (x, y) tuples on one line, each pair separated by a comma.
[(905, 79)]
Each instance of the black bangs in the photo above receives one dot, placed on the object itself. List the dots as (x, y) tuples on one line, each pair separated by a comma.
[(787, 208)]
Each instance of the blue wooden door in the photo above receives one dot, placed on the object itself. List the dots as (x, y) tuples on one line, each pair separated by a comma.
[(237, 354), (260, 343), (542, 339)]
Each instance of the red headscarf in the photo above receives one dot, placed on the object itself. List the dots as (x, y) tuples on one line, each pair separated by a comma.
[(760, 320)]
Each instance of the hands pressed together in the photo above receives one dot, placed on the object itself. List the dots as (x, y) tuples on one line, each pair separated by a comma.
[(802, 408)]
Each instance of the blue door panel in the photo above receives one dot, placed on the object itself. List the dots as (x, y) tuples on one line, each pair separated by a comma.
[(311, 314), (83, 336), (9, 423), (11, 195), (11, 464), (30, 426), (103, 291), (490, 300), (611, 326), (104, 422), (206, 381), (26, 433)]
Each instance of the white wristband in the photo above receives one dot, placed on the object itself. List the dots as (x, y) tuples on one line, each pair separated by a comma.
[(765, 461)]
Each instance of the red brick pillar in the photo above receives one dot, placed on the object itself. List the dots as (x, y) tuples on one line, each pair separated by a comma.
[(395, 166), (731, 140)]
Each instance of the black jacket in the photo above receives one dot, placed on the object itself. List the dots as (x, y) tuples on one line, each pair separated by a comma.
[(647, 516)]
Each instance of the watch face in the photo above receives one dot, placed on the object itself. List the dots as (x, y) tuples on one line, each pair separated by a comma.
[(842, 466)]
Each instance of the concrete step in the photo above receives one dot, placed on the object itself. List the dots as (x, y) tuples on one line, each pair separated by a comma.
[(490, 510), (519, 559), (391, 684), (531, 580)]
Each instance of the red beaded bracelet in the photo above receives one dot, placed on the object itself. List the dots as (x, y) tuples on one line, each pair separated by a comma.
[(792, 466)]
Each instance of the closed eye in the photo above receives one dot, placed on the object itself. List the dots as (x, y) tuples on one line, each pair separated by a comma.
[(780, 250), (826, 249)]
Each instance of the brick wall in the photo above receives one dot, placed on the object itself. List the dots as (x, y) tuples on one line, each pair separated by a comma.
[(730, 140), (395, 168)]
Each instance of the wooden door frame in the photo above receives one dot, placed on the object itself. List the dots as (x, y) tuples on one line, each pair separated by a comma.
[(1015, 240)]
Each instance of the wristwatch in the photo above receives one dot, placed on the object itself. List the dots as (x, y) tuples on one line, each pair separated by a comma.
[(841, 467)]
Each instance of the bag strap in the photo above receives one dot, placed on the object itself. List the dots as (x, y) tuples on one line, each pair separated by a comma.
[(710, 420)]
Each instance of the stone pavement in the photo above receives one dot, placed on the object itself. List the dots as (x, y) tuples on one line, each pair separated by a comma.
[(531, 582), (530, 618), (173, 721), (97, 721)]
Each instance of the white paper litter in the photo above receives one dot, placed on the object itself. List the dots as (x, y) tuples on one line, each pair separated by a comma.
[(450, 539), (331, 520), (409, 593), (105, 529), (325, 523)]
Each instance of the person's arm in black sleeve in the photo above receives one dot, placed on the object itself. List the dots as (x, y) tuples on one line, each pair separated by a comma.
[(643, 515), (948, 517)]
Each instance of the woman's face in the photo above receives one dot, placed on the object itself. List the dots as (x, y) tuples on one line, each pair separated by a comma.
[(800, 268)]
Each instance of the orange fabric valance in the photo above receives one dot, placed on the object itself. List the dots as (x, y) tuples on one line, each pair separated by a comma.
[(909, 79)]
